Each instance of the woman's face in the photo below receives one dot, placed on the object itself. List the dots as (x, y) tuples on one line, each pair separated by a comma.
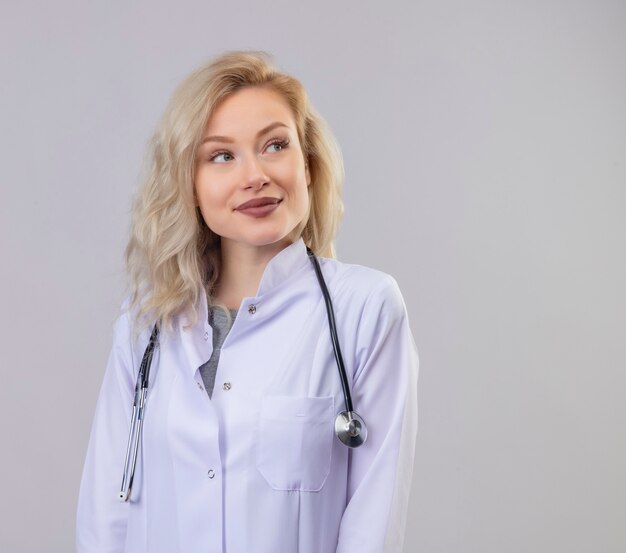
[(250, 152)]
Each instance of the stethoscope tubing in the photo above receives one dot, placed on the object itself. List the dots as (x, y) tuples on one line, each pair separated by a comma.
[(347, 396)]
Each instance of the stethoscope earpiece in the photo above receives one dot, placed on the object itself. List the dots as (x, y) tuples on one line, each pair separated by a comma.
[(350, 429)]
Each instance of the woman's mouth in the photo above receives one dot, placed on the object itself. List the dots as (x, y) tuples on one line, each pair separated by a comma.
[(259, 207)]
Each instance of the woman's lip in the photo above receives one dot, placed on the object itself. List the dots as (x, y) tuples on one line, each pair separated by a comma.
[(258, 202), (259, 211)]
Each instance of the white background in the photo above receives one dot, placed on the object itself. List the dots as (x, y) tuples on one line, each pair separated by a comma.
[(485, 152)]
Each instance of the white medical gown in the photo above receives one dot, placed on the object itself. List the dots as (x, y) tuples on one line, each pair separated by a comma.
[(258, 468)]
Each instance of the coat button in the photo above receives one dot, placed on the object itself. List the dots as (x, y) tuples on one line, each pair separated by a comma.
[(211, 474), (252, 309), (200, 386), (227, 386), (206, 336)]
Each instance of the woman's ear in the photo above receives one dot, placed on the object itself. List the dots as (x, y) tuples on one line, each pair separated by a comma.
[(307, 173)]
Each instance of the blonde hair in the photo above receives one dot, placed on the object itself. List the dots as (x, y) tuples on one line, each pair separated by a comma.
[(172, 257)]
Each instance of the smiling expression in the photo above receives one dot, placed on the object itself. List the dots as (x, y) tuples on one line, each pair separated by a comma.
[(250, 154)]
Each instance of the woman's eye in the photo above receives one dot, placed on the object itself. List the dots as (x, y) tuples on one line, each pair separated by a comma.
[(279, 145), (218, 157)]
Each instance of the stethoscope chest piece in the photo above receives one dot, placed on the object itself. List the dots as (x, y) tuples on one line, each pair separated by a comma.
[(350, 429)]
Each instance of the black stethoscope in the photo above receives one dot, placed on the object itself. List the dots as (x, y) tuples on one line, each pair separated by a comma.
[(349, 426)]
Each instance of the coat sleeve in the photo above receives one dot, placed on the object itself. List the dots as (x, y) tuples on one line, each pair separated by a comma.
[(384, 393), (101, 518)]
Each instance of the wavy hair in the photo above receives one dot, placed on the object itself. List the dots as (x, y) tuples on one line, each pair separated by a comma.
[(172, 257)]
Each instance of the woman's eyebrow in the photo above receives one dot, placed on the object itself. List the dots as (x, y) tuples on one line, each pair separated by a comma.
[(230, 140)]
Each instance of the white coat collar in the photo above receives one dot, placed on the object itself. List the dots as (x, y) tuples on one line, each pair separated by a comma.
[(284, 264), (197, 341)]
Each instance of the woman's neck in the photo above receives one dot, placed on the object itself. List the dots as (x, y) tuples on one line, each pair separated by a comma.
[(242, 267)]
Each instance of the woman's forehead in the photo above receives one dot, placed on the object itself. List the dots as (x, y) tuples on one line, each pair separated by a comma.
[(247, 110)]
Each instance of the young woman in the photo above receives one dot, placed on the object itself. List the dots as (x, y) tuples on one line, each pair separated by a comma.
[(252, 440)]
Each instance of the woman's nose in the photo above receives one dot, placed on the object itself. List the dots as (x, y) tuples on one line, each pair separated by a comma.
[(255, 176)]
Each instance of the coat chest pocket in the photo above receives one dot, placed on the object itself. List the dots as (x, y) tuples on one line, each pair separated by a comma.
[(295, 442)]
